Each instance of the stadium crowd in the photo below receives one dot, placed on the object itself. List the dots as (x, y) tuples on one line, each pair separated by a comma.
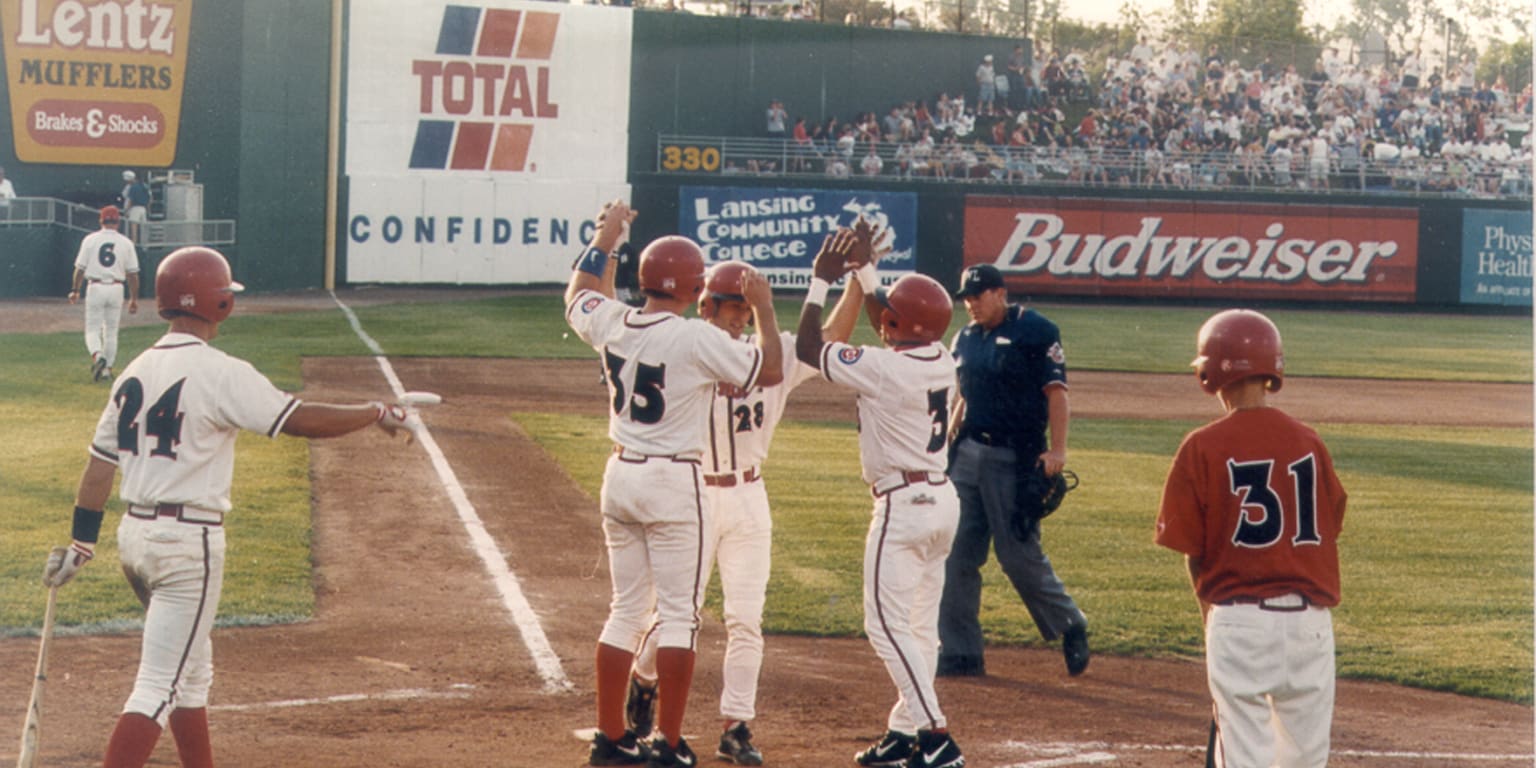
[(1166, 116)]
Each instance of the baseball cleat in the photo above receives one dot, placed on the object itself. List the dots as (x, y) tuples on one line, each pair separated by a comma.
[(736, 746), (640, 707), (628, 750), (664, 755), (961, 666), (935, 749), (98, 369), (892, 750), (1074, 646)]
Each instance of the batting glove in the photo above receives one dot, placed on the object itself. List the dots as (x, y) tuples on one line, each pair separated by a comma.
[(63, 562)]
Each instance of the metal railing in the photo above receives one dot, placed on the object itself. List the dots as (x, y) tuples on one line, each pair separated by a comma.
[(51, 211), (973, 161)]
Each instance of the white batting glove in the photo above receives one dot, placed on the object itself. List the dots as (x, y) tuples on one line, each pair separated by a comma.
[(63, 562), (402, 415)]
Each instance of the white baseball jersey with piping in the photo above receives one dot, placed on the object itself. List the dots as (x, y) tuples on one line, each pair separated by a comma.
[(903, 403), (170, 426), (741, 427), (106, 257), (661, 371)]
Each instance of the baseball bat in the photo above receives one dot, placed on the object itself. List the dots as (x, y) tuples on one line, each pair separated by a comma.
[(29, 732), (421, 398)]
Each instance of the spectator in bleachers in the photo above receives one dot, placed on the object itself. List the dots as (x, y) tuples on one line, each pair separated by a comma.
[(776, 119), (986, 85), (872, 165)]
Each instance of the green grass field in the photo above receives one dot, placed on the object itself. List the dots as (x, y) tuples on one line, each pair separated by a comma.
[(1436, 552)]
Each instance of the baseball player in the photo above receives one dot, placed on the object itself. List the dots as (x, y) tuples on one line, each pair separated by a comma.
[(662, 370), (903, 406), (1253, 503), (170, 426), (741, 426), (105, 261)]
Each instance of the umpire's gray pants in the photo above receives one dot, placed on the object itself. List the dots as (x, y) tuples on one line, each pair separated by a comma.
[(985, 477)]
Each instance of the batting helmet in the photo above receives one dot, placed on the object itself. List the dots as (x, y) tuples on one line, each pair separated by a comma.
[(195, 281), (917, 309), (1238, 344), (672, 267), (110, 215), (722, 282)]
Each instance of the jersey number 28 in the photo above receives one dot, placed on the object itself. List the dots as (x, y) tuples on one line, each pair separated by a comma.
[(1250, 481)]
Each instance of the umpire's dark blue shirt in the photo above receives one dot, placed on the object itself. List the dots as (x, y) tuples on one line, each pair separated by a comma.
[(1003, 373)]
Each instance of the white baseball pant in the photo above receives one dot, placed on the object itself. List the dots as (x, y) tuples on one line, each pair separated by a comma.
[(1271, 674), (180, 568), (103, 316), (904, 553), (742, 547), (655, 527)]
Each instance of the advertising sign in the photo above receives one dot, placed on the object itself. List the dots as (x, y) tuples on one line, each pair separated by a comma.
[(779, 230), (1067, 246), (96, 83), (1496, 257), (481, 137)]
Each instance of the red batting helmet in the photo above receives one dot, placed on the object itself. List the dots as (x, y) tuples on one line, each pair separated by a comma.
[(195, 281), (110, 215), (672, 267), (722, 282), (918, 309), (1238, 344)]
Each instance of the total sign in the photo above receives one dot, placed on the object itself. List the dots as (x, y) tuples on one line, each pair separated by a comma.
[(96, 83), (481, 139)]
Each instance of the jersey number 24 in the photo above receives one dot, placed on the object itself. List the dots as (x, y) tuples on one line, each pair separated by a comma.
[(162, 421)]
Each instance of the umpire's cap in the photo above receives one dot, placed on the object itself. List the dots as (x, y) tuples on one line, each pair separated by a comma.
[(979, 278)]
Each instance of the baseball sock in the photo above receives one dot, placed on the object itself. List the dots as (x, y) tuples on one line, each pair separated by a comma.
[(190, 728), (674, 668), (133, 741), (612, 689)]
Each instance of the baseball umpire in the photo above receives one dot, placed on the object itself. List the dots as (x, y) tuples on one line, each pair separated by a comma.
[(170, 426), (1013, 385), (1254, 505)]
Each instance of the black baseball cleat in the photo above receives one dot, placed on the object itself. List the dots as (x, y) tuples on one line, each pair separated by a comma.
[(99, 369), (736, 746), (935, 749), (664, 755), (628, 750), (640, 707), (1074, 646), (961, 666), (892, 750)]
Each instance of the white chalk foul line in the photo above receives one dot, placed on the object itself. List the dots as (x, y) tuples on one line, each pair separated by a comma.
[(1087, 758), (460, 691), (523, 616)]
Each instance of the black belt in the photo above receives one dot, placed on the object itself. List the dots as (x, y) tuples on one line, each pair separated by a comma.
[(1264, 603), (998, 439), (105, 282)]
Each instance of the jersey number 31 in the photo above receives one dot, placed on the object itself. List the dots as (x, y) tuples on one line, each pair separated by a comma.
[(1250, 482)]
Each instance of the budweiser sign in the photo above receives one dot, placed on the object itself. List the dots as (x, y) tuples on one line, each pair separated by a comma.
[(1116, 247)]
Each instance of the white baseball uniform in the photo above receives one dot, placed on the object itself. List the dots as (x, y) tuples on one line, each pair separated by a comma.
[(903, 406), (106, 257), (170, 426), (661, 371), (741, 426)]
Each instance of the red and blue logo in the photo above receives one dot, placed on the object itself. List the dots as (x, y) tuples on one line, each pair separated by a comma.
[(850, 355), (480, 96)]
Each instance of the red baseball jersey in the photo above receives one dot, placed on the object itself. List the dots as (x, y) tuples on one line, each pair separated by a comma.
[(1254, 496)]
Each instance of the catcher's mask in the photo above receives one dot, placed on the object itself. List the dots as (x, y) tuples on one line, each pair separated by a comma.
[(1238, 344), (722, 282), (195, 281), (917, 310), (672, 267)]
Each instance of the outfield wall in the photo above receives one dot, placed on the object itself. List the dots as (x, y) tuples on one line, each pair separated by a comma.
[(479, 139)]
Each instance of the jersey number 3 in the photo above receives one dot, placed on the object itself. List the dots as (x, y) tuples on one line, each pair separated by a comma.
[(162, 421), (1250, 481)]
